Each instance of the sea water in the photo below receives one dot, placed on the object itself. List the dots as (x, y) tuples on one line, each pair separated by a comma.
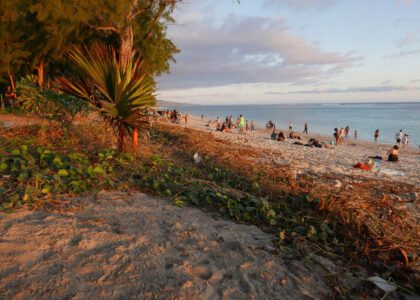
[(389, 118)]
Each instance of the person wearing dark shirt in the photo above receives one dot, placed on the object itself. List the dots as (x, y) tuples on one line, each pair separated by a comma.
[(10, 96)]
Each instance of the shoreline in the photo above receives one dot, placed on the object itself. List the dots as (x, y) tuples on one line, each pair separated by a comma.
[(314, 134), (340, 159)]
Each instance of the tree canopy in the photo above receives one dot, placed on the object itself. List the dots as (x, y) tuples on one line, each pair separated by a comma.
[(36, 34)]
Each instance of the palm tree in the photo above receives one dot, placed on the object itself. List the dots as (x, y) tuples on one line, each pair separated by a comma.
[(122, 91)]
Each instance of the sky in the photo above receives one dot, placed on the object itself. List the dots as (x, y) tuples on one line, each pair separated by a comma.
[(294, 51)]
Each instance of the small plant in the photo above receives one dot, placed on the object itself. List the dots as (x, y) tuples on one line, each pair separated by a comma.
[(122, 92), (29, 174), (47, 103)]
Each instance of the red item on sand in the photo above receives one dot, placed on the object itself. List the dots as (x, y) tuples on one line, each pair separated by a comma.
[(362, 167)]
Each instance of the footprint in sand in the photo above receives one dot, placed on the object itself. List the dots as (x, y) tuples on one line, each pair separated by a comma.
[(202, 271)]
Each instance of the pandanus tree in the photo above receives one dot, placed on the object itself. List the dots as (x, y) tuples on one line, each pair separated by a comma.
[(121, 90)]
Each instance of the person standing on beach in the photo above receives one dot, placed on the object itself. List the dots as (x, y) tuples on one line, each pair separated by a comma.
[(290, 126), (405, 140), (247, 125), (341, 135), (376, 135), (202, 116), (399, 137), (305, 130), (347, 131), (252, 125), (230, 123), (336, 136), (186, 119), (355, 135), (241, 124)]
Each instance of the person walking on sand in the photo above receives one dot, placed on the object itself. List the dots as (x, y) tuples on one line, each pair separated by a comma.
[(399, 137), (376, 135), (305, 129), (290, 126), (186, 119), (355, 135)]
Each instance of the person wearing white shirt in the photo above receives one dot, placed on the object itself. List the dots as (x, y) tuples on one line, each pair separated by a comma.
[(399, 137)]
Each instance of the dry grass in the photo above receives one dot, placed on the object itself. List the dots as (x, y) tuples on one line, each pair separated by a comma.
[(366, 209), (369, 214)]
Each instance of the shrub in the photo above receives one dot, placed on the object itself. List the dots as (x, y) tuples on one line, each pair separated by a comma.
[(47, 103)]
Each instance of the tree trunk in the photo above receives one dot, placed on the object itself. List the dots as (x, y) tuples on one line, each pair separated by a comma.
[(12, 81), (127, 43), (121, 138), (134, 138), (40, 70)]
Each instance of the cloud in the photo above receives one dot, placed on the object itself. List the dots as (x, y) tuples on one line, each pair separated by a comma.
[(249, 50), (406, 2), (300, 4), (364, 89), (405, 53), (408, 39)]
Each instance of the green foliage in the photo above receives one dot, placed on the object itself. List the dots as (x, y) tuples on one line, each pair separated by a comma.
[(47, 103), (121, 91), (29, 174), (32, 32), (235, 197)]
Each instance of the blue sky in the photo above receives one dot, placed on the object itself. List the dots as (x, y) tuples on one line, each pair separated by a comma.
[(295, 51)]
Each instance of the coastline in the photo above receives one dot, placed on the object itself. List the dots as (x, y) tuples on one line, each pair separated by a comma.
[(322, 119), (340, 159)]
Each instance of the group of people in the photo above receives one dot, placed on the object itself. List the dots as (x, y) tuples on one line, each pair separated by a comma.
[(270, 125), (173, 116), (340, 134), (228, 124), (403, 140)]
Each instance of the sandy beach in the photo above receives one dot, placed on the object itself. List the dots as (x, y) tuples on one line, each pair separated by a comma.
[(339, 159), (129, 245), (134, 246)]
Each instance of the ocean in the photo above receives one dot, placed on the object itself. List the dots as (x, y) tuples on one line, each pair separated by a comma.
[(389, 118)]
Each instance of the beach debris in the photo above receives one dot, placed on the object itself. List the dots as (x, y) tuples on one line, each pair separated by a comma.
[(283, 281), (362, 167), (281, 162), (392, 172), (381, 283), (338, 184), (197, 158), (324, 262)]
